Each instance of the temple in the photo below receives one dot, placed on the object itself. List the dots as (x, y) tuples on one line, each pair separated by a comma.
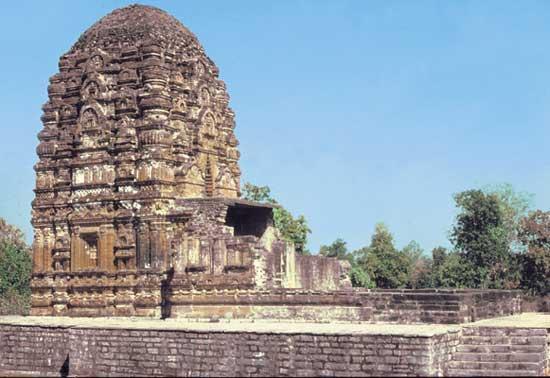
[(137, 213), (137, 202)]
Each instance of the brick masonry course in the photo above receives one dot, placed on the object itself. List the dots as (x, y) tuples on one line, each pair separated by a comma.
[(121, 347), (80, 351)]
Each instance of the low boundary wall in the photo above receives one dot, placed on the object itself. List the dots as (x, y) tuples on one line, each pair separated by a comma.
[(393, 306), (81, 351), (63, 346)]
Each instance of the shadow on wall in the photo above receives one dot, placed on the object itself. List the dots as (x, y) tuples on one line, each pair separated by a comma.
[(166, 306), (64, 371)]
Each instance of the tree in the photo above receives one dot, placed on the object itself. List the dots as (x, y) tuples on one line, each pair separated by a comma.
[(514, 206), (11, 235), (257, 193), (337, 249), (481, 238), (454, 272), (449, 269), (360, 278), (535, 235), (383, 262), (438, 256), (294, 229), (15, 270), (419, 266)]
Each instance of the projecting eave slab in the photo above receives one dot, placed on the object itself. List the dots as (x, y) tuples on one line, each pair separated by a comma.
[(230, 202)]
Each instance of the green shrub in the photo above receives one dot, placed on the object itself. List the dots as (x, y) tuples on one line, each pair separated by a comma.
[(15, 271)]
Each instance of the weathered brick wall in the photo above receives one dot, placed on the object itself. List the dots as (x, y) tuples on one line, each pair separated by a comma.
[(34, 350), (123, 352), (535, 303), (486, 304), (320, 273), (443, 348)]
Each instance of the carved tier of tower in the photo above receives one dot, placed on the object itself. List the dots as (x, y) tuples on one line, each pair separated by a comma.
[(138, 164)]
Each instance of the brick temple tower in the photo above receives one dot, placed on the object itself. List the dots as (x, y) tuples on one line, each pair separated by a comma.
[(138, 175)]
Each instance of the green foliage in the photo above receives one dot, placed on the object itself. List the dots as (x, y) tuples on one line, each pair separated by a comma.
[(419, 267), (450, 269), (413, 251), (11, 235), (360, 278), (294, 229), (481, 237), (535, 235), (443, 273), (438, 257), (257, 193), (337, 249), (514, 206), (497, 244), (454, 272), (388, 267), (15, 271)]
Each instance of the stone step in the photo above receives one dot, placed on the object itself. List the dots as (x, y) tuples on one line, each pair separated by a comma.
[(493, 331), (490, 373), (501, 357), (490, 366), (499, 348), (503, 340)]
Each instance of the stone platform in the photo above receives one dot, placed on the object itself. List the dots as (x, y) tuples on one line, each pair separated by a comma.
[(58, 346), (400, 306)]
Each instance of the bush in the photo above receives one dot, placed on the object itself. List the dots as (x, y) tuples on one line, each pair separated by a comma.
[(15, 271)]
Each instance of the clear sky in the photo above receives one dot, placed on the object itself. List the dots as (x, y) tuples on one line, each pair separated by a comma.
[(353, 112)]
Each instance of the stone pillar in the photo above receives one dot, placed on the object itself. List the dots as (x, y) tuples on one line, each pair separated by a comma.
[(106, 245), (289, 263), (219, 252), (157, 252), (206, 255), (48, 244), (193, 251), (38, 251), (159, 245), (76, 250), (179, 261), (144, 247)]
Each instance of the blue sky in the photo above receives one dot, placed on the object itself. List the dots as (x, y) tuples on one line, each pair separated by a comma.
[(353, 112)]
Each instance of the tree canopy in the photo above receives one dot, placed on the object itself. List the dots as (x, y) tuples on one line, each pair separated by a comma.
[(496, 243), (534, 233), (482, 239), (337, 249), (388, 267), (15, 270)]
